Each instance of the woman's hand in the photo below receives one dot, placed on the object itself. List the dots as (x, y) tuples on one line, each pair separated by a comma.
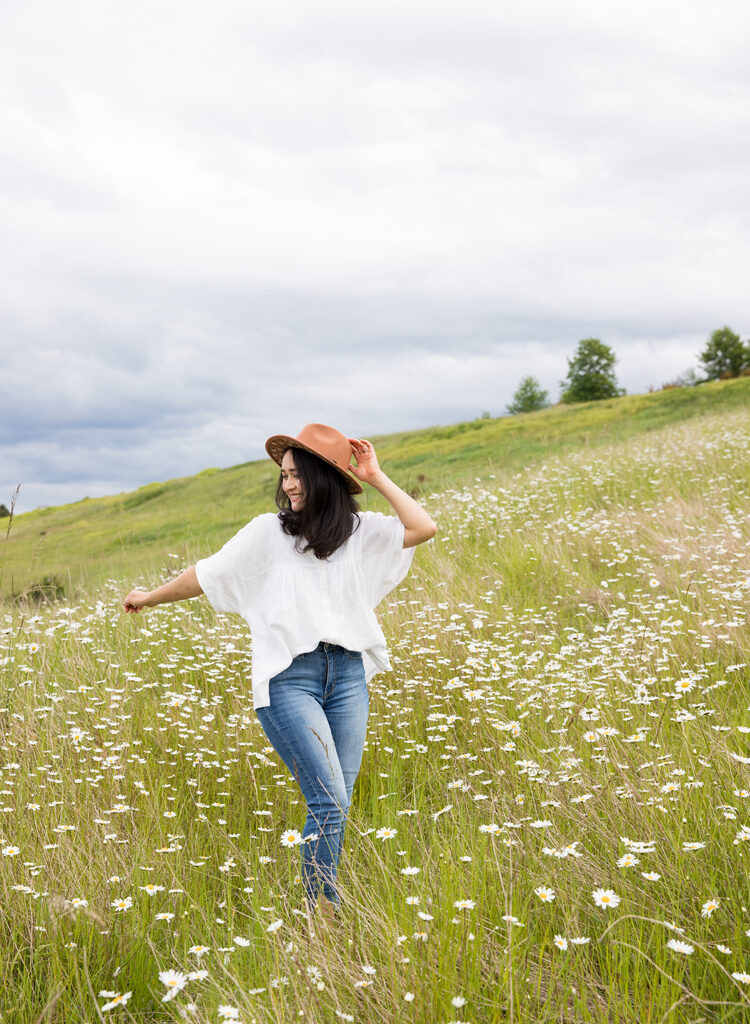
[(181, 587), (367, 469), (136, 600)]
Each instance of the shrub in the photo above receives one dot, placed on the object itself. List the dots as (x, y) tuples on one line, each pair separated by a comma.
[(48, 588), (529, 397)]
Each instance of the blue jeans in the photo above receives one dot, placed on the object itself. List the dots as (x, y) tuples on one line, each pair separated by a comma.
[(317, 722)]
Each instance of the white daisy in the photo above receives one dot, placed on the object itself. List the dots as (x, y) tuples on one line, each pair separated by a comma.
[(117, 1000), (545, 894), (605, 898), (627, 861), (175, 982), (679, 946)]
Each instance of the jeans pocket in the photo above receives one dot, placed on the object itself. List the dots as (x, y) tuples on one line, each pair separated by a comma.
[(353, 655)]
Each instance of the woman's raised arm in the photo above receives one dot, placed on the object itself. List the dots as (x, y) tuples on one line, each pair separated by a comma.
[(418, 526), (181, 587)]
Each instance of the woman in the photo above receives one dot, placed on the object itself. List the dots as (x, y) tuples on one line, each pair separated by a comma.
[(307, 580)]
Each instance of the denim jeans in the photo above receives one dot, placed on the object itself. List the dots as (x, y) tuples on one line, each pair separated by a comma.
[(316, 722)]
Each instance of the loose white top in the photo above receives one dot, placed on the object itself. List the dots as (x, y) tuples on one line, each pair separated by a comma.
[(292, 600)]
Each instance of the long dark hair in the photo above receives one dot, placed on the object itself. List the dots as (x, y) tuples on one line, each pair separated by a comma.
[(325, 519)]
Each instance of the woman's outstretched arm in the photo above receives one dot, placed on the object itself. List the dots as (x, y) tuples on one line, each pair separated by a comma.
[(181, 587), (418, 527)]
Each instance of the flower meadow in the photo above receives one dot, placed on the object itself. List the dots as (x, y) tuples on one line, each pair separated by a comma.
[(552, 820)]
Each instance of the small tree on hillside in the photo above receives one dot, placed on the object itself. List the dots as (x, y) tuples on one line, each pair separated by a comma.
[(724, 354), (591, 373), (529, 397)]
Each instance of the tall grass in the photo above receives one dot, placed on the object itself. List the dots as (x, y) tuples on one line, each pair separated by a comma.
[(568, 712)]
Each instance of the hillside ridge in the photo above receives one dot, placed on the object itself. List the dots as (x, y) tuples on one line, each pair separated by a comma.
[(178, 520)]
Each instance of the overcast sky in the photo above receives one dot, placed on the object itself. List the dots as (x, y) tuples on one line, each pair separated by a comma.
[(220, 221)]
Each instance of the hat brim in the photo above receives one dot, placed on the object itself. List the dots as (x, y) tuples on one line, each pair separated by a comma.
[(278, 443)]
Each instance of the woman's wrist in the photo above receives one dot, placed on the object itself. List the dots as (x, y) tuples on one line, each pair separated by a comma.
[(379, 480)]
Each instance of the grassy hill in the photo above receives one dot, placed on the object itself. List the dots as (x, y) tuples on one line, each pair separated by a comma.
[(172, 523)]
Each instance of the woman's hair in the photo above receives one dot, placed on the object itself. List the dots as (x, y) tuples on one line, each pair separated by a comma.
[(325, 519)]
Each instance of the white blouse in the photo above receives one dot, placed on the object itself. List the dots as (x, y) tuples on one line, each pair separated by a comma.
[(293, 600)]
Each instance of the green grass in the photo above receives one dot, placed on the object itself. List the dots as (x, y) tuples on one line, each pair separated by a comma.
[(570, 672)]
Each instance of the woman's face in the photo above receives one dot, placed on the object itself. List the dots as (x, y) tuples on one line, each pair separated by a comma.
[(291, 483)]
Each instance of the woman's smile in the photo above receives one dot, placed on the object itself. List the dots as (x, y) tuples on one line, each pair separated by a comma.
[(291, 482)]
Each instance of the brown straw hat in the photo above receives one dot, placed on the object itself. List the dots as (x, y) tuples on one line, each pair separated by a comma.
[(327, 443)]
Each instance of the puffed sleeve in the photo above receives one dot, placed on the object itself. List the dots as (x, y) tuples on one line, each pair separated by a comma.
[(224, 576), (385, 560)]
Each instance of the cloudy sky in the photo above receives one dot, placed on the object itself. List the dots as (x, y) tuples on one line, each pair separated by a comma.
[(220, 221)]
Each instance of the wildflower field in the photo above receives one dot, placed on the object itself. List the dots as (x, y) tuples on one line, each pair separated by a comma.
[(552, 820)]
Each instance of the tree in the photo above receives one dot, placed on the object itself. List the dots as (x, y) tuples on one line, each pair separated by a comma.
[(528, 397), (724, 354), (591, 373)]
